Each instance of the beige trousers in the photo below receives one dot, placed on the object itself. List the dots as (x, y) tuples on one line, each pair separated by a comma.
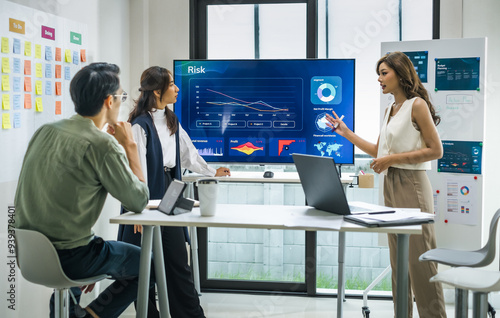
[(412, 189)]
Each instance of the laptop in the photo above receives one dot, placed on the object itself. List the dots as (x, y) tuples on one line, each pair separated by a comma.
[(173, 203), (323, 189)]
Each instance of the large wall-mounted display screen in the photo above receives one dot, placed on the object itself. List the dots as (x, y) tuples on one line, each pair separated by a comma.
[(262, 111)]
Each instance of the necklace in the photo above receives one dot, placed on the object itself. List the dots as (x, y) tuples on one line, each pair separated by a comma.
[(398, 105)]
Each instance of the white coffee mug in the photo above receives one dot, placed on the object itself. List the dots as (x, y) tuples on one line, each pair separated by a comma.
[(207, 194)]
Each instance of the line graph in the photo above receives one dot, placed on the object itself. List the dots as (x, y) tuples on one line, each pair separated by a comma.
[(250, 105), (237, 103)]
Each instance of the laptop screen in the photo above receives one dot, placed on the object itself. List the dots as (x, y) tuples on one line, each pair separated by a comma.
[(321, 183)]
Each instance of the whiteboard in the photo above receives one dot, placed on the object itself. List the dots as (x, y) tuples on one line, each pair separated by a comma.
[(458, 197), (56, 31)]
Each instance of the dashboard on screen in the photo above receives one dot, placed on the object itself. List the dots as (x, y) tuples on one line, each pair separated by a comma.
[(262, 111)]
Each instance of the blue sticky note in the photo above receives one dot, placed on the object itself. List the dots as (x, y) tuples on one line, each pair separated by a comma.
[(67, 74), (48, 88), (48, 70), (17, 46), (76, 57), (16, 102), (17, 120), (16, 68), (16, 84), (48, 53)]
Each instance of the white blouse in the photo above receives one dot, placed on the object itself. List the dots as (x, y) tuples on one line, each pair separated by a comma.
[(190, 158), (400, 135)]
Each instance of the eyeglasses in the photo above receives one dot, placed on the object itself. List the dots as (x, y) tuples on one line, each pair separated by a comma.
[(123, 95)]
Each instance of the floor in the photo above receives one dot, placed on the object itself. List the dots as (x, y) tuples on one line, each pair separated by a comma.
[(222, 305)]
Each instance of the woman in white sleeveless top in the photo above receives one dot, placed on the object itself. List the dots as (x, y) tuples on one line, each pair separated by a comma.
[(408, 141)]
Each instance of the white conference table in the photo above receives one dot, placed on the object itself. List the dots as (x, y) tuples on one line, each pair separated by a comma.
[(262, 217)]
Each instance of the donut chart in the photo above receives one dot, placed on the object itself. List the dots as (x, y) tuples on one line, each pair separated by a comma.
[(326, 92), (464, 190)]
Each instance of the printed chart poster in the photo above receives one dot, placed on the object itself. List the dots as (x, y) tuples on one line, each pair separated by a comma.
[(457, 74), (420, 62), (461, 201)]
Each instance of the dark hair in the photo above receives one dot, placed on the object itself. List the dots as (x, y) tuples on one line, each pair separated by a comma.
[(409, 80), (92, 85), (152, 79)]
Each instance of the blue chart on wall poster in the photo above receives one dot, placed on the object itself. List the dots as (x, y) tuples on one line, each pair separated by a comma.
[(454, 74), (262, 111), (420, 62), (461, 157)]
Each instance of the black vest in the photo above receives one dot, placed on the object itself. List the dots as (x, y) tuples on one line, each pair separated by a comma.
[(154, 157)]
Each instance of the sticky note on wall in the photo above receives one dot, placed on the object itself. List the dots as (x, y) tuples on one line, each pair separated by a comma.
[(5, 101), (58, 71), (16, 65), (58, 54), (16, 102), (27, 67), (58, 107), (5, 83), (16, 49), (27, 84), (27, 101), (27, 48), (17, 120), (67, 56), (6, 121), (38, 88), (38, 51), (38, 104), (5, 65), (38, 70), (58, 88), (5, 45)]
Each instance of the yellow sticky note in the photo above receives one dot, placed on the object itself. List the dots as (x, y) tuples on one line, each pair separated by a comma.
[(5, 83), (5, 65), (38, 51), (67, 56), (39, 104), (5, 45), (38, 70), (6, 121), (27, 48), (38, 88), (5, 101)]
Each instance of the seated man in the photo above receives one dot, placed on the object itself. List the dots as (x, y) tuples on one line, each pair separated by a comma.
[(69, 168)]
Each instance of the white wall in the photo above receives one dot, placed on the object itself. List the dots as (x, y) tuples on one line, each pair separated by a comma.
[(480, 19), (473, 19)]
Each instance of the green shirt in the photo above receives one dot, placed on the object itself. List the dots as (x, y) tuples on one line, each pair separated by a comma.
[(68, 170)]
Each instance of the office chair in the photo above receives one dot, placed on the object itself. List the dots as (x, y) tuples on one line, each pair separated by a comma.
[(478, 258), (39, 263), (479, 281)]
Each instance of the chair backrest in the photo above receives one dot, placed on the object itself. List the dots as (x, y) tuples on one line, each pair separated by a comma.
[(38, 260), (490, 247)]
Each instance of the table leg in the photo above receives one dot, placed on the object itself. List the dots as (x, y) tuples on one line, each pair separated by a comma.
[(340, 279), (144, 271), (196, 264), (402, 275), (161, 279)]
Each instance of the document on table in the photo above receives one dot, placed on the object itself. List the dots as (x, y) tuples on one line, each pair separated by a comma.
[(399, 217)]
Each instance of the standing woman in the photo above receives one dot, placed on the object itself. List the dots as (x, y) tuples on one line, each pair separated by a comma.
[(408, 141), (164, 147)]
